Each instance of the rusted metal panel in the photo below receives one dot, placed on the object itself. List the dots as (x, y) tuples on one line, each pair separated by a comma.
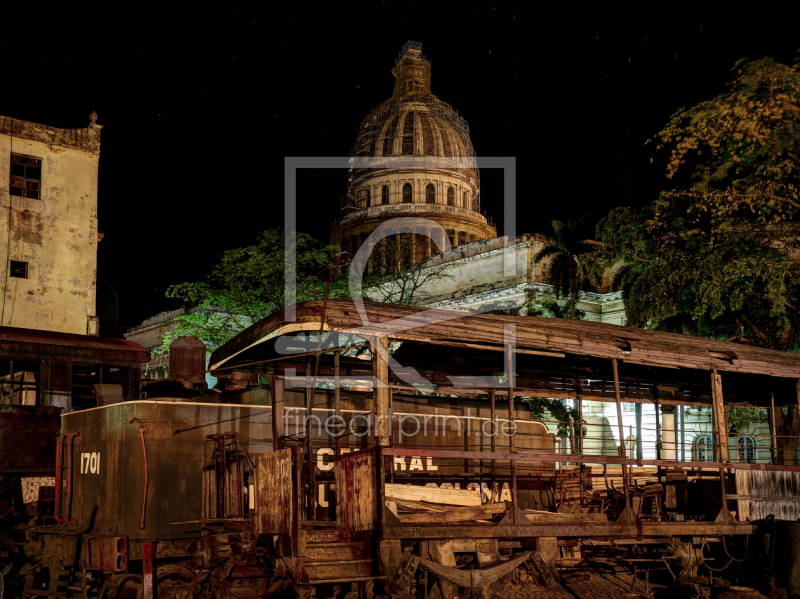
[(27, 439), (356, 490), (31, 342), (277, 509)]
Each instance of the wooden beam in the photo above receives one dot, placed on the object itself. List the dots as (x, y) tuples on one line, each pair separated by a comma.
[(621, 431), (380, 368), (719, 416)]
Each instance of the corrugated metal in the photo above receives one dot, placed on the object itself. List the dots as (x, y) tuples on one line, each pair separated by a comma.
[(14, 341), (768, 490)]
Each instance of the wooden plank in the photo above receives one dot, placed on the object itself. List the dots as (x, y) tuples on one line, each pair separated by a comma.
[(720, 421), (356, 507), (433, 495), (484, 512), (381, 373)]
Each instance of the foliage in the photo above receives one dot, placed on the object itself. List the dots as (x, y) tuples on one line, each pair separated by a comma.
[(394, 276), (712, 258), (543, 408), (564, 259), (246, 285)]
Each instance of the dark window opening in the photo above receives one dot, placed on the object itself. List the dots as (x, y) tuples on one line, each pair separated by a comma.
[(84, 377), (18, 270), (465, 204), (451, 197), (430, 194), (20, 383), (368, 197), (26, 176), (407, 193), (385, 195), (462, 237)]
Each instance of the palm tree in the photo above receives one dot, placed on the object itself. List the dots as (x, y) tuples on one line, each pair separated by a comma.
[(564, 257)]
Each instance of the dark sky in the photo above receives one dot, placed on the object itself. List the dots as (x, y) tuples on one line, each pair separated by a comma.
[(200, 107)]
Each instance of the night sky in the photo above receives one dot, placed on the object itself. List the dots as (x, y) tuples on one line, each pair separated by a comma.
[(200, 107)]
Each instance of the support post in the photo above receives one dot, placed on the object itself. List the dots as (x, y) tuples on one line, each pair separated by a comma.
[(580, 450), (509, 367), (621, 430), (719, 416), (336, 397), (278, 420), (772, 446), (494, 429), (380, 371)]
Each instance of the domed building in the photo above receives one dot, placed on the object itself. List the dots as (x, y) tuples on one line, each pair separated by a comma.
[(429, 171)]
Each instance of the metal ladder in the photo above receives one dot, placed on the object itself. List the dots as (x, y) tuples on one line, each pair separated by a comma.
[(64, 479)]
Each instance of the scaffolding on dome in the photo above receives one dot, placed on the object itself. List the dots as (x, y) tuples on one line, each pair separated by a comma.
[(384, 123)]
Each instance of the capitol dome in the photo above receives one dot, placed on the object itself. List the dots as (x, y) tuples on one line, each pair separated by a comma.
[(429, 168)]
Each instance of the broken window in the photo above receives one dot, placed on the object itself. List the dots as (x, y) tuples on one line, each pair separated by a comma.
[(18, 269), (26, 176)]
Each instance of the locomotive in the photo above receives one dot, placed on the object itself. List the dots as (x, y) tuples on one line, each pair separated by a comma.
[(325, 479)]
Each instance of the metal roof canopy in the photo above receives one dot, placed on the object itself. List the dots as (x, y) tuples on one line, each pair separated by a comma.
[(555, 357), (35, 344)]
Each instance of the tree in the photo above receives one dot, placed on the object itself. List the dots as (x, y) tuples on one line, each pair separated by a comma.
[(713, 256), (246, 285), (563, 260), (393, 275)]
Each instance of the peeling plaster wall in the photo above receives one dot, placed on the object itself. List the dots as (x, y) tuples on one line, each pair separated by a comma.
[(56, 235)]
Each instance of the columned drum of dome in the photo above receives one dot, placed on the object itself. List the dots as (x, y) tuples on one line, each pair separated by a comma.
[(429, 171)]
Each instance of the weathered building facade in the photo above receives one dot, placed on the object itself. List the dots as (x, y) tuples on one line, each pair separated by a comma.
[(48, 216)]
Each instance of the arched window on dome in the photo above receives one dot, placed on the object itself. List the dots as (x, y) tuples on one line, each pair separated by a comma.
[(407, 193), (368, 198), (451, 197), (747, 449), (465, 203), (385, 195), (430, 194)]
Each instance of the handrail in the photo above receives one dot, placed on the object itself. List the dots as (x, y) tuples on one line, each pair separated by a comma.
[(576, 458), (142, 433)]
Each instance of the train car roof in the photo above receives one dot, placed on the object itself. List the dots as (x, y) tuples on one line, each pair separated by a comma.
[(34, 344), (460, 329)]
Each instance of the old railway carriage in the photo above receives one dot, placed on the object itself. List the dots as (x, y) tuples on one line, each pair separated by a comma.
[(391, 446)]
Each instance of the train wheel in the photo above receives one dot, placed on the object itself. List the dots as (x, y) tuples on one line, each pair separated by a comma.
[(172, 577), (124, 586)]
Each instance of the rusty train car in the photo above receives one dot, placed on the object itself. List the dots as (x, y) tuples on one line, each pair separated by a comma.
[(326, 482)]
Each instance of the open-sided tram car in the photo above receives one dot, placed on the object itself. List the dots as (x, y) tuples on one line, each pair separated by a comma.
[(295, 488)]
